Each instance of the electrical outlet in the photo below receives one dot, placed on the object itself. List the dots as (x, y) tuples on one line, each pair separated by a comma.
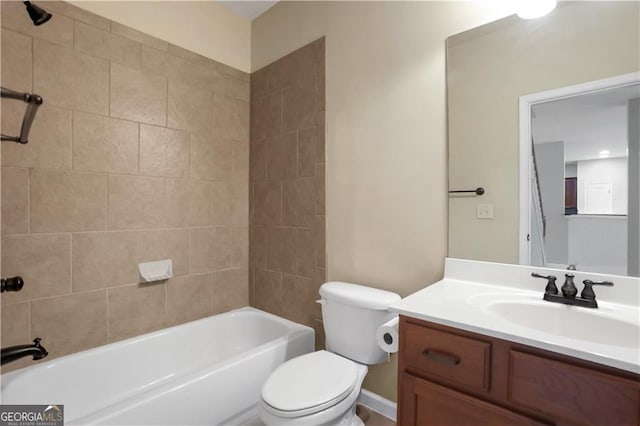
[(484, 211)]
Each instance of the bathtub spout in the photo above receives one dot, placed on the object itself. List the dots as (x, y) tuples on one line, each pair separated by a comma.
[(14, 353)]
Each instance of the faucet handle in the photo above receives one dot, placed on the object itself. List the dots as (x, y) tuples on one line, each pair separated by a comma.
[(587, 291), (11, 284), (551, 287)]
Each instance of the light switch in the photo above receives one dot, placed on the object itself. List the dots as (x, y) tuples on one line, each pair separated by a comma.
[(484, 211)]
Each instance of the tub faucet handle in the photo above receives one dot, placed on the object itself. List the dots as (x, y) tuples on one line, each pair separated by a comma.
[(11, 284)]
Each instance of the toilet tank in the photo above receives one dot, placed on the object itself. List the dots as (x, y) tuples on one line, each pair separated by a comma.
[(351, 314)]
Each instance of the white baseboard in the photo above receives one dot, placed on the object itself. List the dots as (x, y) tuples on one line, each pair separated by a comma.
[(377, 403)]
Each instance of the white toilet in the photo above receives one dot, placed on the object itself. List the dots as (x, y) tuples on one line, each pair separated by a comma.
[(321, 388)]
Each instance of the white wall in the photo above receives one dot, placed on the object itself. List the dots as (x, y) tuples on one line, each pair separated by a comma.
[(634, 188), (611, 171), (386, 145), (205, 27), (598, 243), (550, 159)]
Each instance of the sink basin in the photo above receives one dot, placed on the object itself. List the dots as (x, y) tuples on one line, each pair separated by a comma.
[(591, 325), (503, 301)]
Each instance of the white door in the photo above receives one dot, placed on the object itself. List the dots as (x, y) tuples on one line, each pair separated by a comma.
[(598, 198)]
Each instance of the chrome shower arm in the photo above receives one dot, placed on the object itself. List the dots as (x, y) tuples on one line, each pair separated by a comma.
[(33, 102)]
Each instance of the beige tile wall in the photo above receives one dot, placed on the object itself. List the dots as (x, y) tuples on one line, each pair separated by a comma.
[(140, 152), (287, 186)]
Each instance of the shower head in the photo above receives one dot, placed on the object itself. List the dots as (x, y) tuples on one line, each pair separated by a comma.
[(38, 15)]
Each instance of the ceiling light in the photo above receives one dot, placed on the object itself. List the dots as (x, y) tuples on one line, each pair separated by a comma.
[(532, 9), (604, 153)]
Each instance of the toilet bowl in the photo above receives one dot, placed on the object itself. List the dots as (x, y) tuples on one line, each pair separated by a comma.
[(321, 388)]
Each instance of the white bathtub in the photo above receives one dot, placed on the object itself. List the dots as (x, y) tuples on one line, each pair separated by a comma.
[(208, 371)]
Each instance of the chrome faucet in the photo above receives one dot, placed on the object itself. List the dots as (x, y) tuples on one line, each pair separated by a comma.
[(14, 353), (587, 298)]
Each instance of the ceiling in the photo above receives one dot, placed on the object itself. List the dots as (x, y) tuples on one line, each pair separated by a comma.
[(249, 9), (587, 124)]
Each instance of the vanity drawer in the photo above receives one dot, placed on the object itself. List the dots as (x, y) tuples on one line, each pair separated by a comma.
[(450, 357), (574, 393)]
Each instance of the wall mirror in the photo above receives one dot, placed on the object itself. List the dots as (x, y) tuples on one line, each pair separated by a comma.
[(516, 87), (579, 179)]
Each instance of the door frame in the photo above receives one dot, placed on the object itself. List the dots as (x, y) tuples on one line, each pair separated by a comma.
[(526, 102)]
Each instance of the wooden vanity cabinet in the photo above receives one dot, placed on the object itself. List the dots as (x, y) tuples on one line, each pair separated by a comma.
[(451, 377)]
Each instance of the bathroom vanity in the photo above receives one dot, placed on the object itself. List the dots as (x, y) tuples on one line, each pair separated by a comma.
[(449, 376), (481, 347)]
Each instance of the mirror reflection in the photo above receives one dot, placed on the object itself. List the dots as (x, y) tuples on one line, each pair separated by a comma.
[(490, 69), (582, 183)]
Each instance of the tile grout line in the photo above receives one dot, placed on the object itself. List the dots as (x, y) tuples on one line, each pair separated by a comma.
[(166, 115), (139, 135), (107, 209), (109, 89), (190, 251), (108, 306), (70, 234), (116, 287), (73, 116), (28, 202)]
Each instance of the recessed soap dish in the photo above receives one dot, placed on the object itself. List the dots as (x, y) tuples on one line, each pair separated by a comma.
[(155, 271)]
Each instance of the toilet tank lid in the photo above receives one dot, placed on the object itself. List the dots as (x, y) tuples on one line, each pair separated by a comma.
[(358, 295)]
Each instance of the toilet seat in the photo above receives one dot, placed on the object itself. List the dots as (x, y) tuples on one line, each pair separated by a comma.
[(309, 383)]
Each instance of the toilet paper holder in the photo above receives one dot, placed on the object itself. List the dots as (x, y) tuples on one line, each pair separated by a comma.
[(388, 337)]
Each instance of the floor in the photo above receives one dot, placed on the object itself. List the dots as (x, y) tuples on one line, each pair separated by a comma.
[(373, 418), (368, 416)]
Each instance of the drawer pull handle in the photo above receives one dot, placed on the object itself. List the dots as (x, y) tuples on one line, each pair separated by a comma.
[(440, 357)]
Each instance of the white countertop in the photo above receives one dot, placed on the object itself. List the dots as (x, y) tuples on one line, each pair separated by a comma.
[(459, 302)]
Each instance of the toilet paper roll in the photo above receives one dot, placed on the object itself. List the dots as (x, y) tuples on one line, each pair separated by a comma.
[(387, 336)]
